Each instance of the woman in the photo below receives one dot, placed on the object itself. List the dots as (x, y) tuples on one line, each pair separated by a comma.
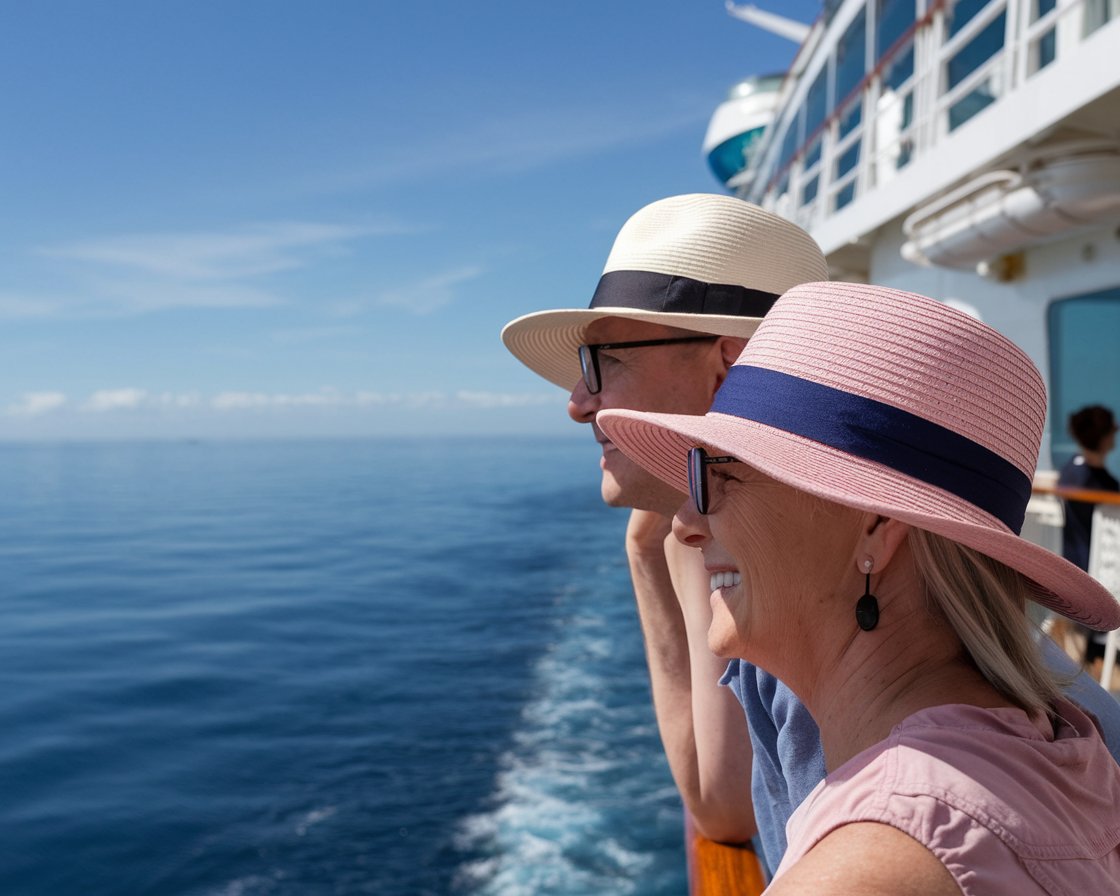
[(856, 490)]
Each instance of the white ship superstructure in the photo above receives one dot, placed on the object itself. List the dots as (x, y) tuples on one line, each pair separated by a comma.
[(967, 150)]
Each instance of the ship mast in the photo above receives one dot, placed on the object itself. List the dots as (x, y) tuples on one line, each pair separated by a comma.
[(769, 21)]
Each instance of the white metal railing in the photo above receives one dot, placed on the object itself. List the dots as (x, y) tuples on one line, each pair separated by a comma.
[(902, 124), (1043, 525)]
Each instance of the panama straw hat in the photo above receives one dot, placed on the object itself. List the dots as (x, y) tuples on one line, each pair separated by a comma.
[(887, 402), (703, 262)]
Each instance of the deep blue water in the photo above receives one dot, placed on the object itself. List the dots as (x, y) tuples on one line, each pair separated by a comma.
[(396, 667)]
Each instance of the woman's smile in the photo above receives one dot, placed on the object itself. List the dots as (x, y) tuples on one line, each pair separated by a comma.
[(725, 579)]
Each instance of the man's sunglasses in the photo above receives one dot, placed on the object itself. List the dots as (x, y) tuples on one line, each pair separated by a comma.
[(589, 356), (698, 461)]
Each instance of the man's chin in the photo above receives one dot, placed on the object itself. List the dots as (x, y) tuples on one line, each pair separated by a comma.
[(615, 495)]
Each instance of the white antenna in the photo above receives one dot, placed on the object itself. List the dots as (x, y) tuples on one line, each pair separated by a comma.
[(769, 21)]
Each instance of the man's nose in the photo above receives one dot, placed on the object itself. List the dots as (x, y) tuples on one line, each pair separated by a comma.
[(582, 405)]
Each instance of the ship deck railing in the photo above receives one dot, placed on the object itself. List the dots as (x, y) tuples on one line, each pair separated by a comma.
[(886, 122)]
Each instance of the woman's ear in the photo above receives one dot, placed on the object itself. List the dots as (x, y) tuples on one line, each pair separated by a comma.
[(880, 540)]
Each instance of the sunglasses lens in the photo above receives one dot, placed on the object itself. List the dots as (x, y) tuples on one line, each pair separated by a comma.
[(590, 372), (696, 484)]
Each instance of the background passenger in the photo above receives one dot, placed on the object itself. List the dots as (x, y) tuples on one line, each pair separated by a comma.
[(1094, 430)]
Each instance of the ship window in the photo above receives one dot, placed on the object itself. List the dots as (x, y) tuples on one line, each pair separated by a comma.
[(809, 191), (847, 161), (1097, 12), (974, 54), (816, 103), (851, 57), (850, 117), (896, 110), (899, 69), (813, 154), (962, 13), (894, 17), (1047, 48), (1084, 363), (734, 155), (791, 142)]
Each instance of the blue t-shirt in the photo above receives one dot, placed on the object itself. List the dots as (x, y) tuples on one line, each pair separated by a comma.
[(789, 762)]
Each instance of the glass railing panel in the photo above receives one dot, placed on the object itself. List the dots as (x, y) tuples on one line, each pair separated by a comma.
[(847, 160), (895, 112), (844, 195), (809, 190), (790, 142), (1097, 13), (1044, 49), (851, 57), (961, 13), (816, 103), (974, 54), (813, 153), (893, 18), (850, 118)]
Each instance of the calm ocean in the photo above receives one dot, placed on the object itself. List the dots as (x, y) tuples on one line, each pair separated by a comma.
[(394, 667)]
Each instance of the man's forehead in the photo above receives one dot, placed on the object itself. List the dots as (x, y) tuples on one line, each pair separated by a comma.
[(622, 329)]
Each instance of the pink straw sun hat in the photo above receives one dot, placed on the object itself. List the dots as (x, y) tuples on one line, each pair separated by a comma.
[(888, 402)]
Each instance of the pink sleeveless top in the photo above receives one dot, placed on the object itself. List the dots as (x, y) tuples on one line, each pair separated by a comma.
[(1011, 805)]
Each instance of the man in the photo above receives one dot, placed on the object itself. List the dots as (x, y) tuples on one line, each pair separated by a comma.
[(685, 286)]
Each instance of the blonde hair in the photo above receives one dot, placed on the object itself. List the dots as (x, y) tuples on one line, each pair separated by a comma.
[(985, 603)]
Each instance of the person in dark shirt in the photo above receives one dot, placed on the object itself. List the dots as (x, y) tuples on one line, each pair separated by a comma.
[(1094, 429)]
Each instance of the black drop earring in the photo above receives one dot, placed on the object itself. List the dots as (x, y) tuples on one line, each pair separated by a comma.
[(867, 607)]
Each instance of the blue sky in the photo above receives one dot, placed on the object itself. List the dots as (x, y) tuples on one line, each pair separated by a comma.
[(246, 219)]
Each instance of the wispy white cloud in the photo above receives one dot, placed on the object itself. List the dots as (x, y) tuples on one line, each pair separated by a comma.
[(251, 251), (140, 296), (133, 399), (523, 140), (115, 400), (128, 274), (226, 401), (174, 400), (429, 293), (21, 307), (311, 334), (328, 398), (504, 399), (34, 404)]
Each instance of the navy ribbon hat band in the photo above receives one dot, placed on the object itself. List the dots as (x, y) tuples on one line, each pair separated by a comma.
[(879, 432), (648, 291)]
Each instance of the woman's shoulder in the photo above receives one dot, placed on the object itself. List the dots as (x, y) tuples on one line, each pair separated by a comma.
[(978, 787), (868, 860)]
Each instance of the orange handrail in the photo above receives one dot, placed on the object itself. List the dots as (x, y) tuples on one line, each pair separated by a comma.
[(1078, 494), (715, 869)]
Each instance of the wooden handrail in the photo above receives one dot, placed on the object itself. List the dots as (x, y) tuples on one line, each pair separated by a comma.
[(1077, 494), (715, 869)]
